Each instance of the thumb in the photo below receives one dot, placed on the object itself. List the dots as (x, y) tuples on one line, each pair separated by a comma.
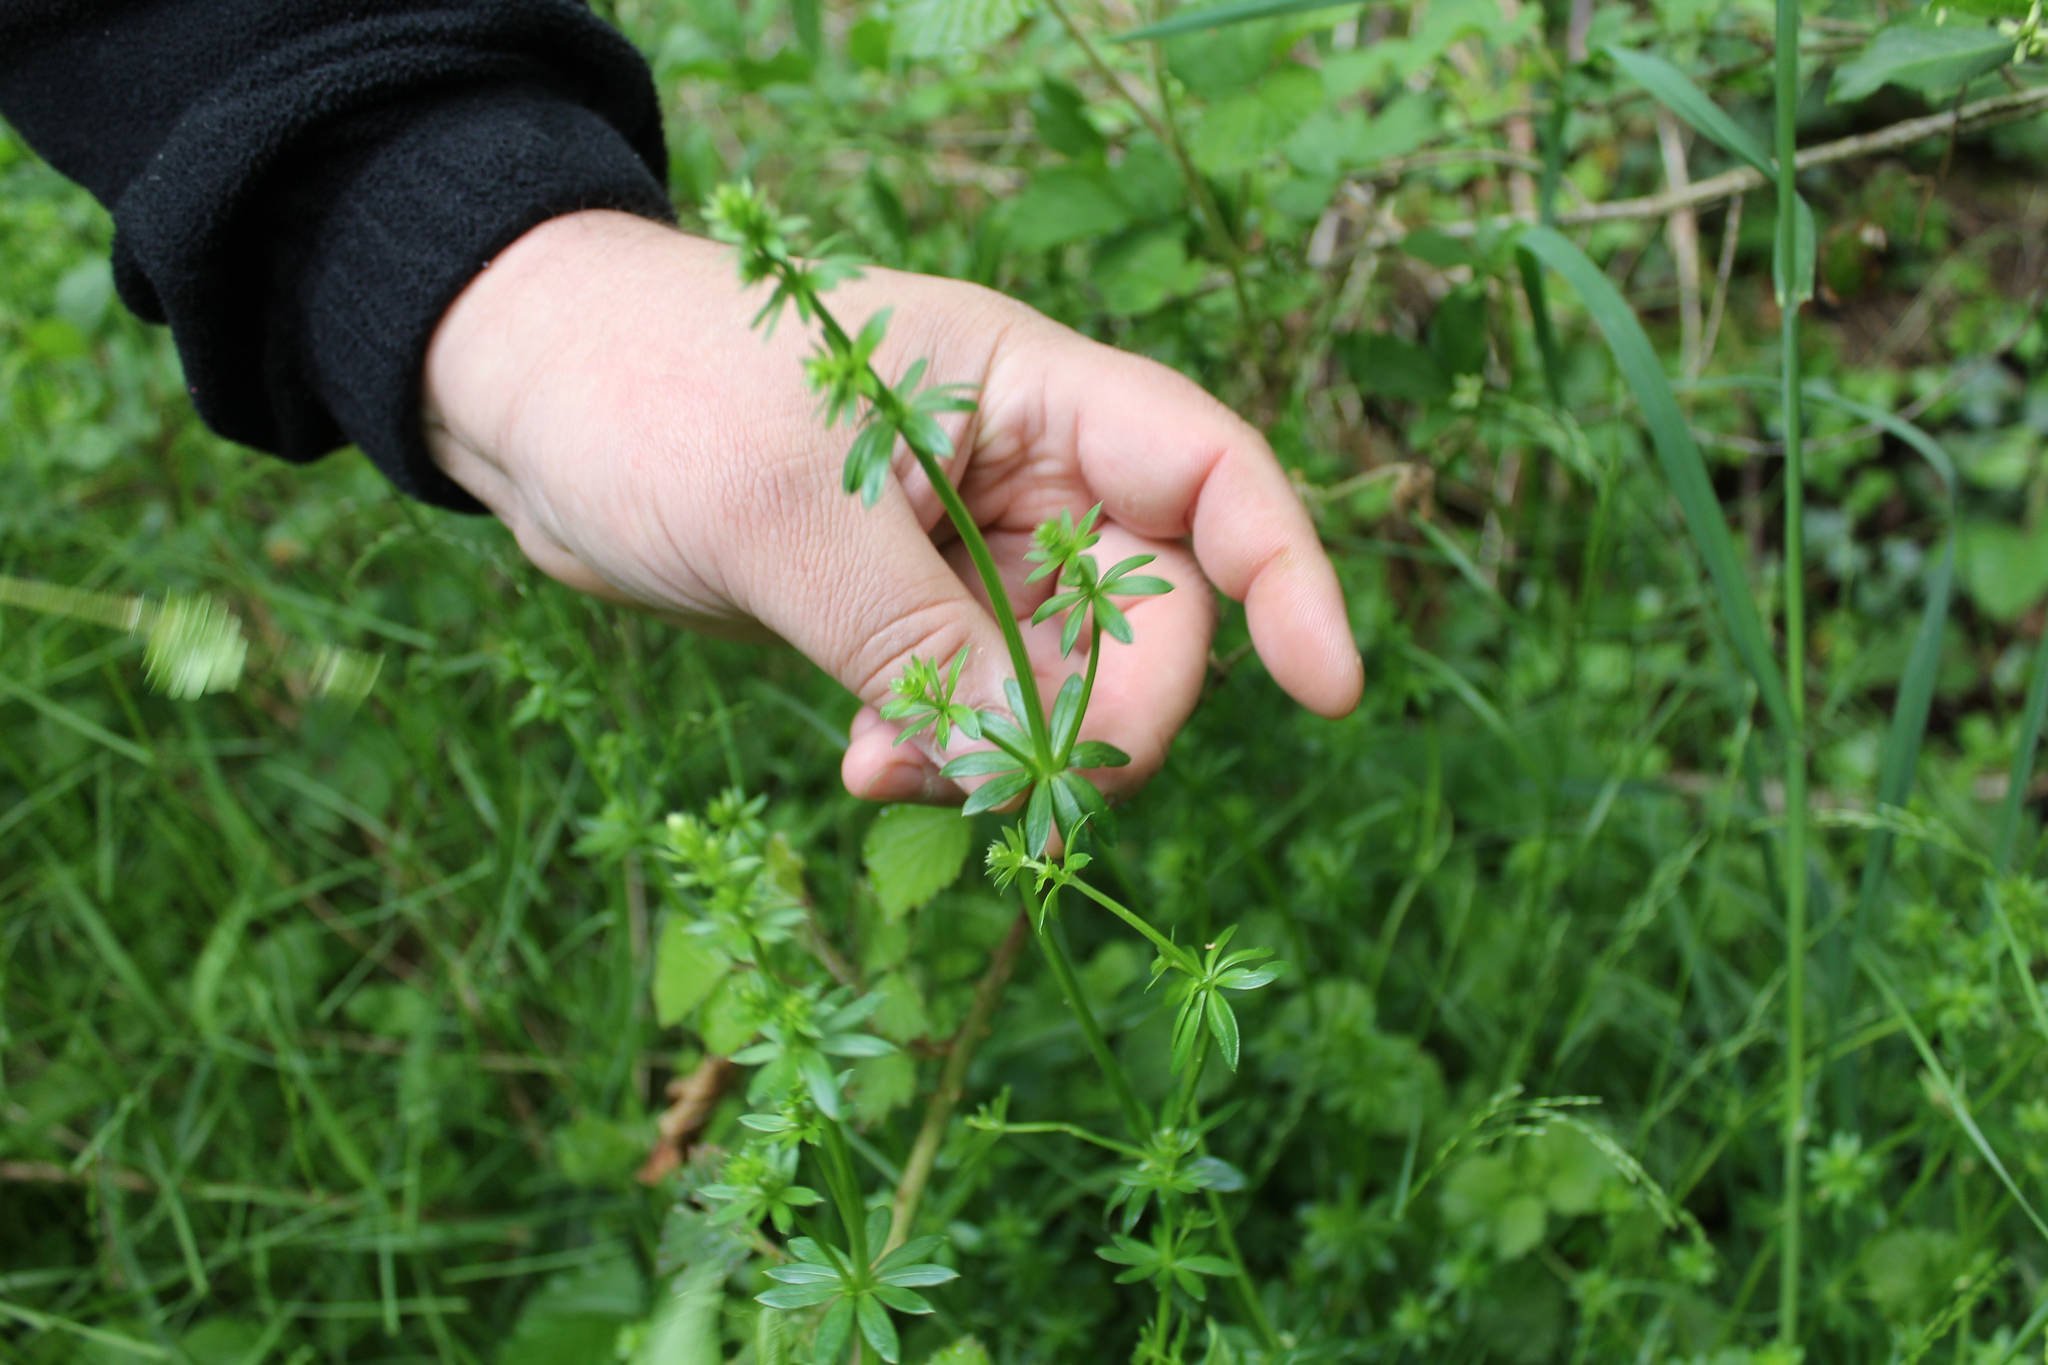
[(861, 606)]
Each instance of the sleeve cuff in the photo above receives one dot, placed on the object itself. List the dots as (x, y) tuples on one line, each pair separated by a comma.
[(417, 215)]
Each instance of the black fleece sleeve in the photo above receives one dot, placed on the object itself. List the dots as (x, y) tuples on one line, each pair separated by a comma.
[(301, 187)]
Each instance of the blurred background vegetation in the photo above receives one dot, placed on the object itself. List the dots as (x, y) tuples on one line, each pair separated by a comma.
[(326, 1032)]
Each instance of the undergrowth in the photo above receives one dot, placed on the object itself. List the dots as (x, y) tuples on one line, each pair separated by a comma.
[(1650, 970)]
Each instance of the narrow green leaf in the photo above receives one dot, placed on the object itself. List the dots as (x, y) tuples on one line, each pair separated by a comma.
[(1236, 12), (1674, 90), (1094, 753), (1679, 455), (995, 792), (1958, 1107), (798, 1295), (876, 1327), (686, 967), (1038, 819), (1223, 1025), (1066, 714), (980, 763)]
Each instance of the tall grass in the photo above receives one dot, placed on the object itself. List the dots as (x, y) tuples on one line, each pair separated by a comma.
[(1792, 287)]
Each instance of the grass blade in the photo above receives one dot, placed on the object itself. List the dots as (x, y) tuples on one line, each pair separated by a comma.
[(1684, 467), (2024, 752), (1674, 90), (1956, 1104), (1238, 12)]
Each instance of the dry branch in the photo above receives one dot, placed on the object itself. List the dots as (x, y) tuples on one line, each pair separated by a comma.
[(1976, 117)]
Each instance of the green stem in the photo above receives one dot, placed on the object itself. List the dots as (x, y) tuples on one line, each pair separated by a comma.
[(924, 1151), (1182, 1101), (1053, 1128), (1168, 949), (845, 1187), (80, 604), (1061, 759), (1241, 1275), (970, 536), (1787, 110), (1214, 224), (1133, 1109)]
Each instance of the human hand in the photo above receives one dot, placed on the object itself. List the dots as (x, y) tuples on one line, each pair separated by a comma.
[(598, 389)]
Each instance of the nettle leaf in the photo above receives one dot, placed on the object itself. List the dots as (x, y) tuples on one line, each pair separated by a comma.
[(686, 969), (1241, 130), (936, 28), (1066, 204), (1932, 62), (912, 853)]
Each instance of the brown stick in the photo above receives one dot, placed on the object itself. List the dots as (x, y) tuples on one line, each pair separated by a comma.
[(924, 1152), (1970, 118)]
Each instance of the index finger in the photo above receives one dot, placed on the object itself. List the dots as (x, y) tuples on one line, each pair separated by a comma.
[(1167, 460)]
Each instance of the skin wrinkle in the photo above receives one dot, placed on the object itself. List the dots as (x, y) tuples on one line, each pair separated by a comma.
[(684, 462)]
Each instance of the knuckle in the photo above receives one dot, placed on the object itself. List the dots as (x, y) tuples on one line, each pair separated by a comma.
[(933, 630)]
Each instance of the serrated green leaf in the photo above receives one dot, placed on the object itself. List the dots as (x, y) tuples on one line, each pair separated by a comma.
[(1241, 130), (687, 968), (937, 28), (912, 853)]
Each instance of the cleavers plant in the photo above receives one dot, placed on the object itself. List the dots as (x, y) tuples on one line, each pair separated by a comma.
[(848, 1260)]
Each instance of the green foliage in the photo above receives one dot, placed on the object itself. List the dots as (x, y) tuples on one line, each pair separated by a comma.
[(332, 1034), (1934, 61), (912, 853)]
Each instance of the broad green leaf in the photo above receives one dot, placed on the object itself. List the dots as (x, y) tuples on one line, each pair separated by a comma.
[(1236, 12), (686, 969), (1933, 62), (1679, 455), (912, 853), (882, 1085), (2005, 567), (1241, 130), (1140, 276), (937, 28), (1674, 90), (1065, 204), (1385, 366), (966, 1351), (1519, 1225)]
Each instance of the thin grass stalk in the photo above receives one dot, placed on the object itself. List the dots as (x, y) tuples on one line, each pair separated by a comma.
[(1794, 740), (1136, 1120), (970, 535)]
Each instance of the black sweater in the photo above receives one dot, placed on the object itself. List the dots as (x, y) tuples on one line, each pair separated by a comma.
[(301, 187)]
